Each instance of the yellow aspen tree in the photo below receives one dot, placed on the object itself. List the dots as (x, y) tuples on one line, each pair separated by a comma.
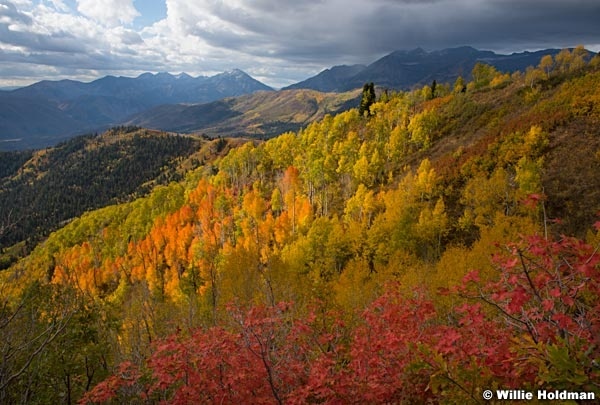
[(432, 226), (579, 55), (290, 187), (547, 65), (425, 181), (276, 201), (563, 60)]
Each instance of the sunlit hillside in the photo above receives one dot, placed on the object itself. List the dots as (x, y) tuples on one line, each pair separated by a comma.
[(440, 244)]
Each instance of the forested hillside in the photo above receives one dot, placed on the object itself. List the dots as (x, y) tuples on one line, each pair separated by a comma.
[(413, 254), (40, 191)]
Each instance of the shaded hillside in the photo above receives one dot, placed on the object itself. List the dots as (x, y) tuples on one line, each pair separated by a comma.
[(334, 79), (262, 114), (41, 190), (21, 117)]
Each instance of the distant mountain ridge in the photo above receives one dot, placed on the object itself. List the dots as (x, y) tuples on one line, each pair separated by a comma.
[(48, 111), (161, 88), (403, 70), (334, 79)]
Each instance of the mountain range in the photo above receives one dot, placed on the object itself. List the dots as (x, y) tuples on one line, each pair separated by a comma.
[(417, 67), (47, 112)]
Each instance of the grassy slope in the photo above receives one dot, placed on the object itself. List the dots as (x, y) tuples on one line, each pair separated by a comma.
[(262, 114), (565, 107)]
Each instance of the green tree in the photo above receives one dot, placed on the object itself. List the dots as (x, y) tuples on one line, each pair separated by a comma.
[(51, 350), (368, 98)]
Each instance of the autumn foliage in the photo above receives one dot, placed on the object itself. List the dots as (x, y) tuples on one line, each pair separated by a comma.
[(536, 324), (373, 259)]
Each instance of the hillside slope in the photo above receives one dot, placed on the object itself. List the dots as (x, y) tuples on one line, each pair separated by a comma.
[(259, 115), (41, 190), (425, 240)]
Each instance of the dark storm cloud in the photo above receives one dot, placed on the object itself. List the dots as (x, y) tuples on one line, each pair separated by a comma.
[(335, 29), (277, 37), (500, 24), (516, 24)]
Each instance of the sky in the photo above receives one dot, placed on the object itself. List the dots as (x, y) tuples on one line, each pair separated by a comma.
[(279, 42)]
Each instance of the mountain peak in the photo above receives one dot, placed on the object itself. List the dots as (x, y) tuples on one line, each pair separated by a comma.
[(418, 51), (146, 75), (163, 75), (412, 52), (235, 73), (183, 75), (333, 79)]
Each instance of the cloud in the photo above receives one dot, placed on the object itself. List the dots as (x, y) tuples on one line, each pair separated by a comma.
[(59, 5), (20, 30), (9, 14), (279, 41), (108, 12), (334, 31)]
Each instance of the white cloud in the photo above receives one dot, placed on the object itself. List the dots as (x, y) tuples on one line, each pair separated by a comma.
[(108, 12), (60, 5), (278, 41)]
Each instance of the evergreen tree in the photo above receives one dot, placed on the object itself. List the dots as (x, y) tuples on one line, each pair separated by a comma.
[(368, 98)]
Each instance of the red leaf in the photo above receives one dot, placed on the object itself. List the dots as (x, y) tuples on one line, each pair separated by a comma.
[(548, 305), (471, 276), (518, 299), (555, 292)]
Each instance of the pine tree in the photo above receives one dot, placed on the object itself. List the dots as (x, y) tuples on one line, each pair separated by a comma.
[(368, 98)]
